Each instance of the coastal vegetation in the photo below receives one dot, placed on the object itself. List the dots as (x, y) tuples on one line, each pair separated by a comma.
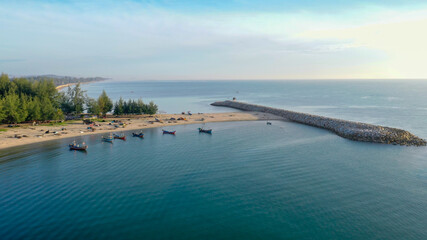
[(63, 80), (23, 100), (134, 107)]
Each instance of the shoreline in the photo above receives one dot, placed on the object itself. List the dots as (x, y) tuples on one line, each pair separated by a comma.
[(60, 87), (64, 86), (36, 134)]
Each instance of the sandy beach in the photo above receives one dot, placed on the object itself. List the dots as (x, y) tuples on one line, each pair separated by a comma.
[(64, 86), (27, 134), (72, 84)]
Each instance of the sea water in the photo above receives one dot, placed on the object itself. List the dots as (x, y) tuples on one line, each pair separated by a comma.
[(247, 180), (394, 103)]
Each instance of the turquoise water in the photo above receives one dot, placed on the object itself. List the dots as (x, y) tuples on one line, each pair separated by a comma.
[(245, 181)]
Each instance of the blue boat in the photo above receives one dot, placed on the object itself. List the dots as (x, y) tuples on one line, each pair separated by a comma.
[(140, 135), (201, 130), (168, 132), (108, 139), (77, 147)]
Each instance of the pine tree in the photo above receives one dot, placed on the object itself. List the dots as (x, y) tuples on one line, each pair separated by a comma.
[(14, 113), (4, 84), (151, 108), (2, 113), (140, 106), (105, 103), (34, 110), (93, 106), (118, 107)]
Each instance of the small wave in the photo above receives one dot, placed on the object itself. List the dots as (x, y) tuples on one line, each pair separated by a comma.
[(317, 107), (373, 106), (392, 98)]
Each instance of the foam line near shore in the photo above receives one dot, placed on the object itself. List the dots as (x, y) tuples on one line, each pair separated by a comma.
[(351, 130)]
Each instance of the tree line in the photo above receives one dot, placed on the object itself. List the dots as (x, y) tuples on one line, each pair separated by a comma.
[(134, 107), (24, 100), (61, 80), (75, 102)]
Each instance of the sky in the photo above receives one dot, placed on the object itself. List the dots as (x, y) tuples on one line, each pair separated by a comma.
[(204, 40)]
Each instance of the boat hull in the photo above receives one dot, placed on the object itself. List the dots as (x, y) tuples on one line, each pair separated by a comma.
[(209, 131), (75, 148), (121, 138), (141, 135), (168, 132)]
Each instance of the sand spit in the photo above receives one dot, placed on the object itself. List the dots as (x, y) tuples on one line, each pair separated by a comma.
[(27, 134)]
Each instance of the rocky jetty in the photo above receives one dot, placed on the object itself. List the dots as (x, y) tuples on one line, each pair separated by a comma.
[(351, 130)]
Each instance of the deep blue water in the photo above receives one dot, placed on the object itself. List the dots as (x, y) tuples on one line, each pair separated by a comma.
[(245, 181)]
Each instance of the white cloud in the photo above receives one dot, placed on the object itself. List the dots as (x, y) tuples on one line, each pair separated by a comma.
[(153, 43)]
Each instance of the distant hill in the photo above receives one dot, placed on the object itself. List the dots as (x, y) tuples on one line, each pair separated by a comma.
[(62, 80)]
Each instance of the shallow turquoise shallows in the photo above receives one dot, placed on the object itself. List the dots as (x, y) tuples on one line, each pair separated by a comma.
[(245, 181)]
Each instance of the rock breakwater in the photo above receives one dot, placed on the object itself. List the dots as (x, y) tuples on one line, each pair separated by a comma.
[(347, 129)]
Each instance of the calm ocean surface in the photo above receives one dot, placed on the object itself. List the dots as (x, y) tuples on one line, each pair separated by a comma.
[(245, 181)]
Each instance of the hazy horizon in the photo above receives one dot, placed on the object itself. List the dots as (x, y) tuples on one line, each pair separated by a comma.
[(215, 40)]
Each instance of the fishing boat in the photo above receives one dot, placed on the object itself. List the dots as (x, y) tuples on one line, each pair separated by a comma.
[(168, 132), (140, 135), (201, 130), (121, 137), (77, 147), (268, 123), (108, 139)]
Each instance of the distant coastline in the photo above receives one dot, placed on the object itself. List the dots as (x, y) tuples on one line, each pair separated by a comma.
[(59, 87), (62, 81)]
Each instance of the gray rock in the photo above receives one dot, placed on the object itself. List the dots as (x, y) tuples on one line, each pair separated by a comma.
[(347, 129)]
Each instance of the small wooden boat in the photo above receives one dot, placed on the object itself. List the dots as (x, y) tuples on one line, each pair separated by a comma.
[(201, 130), (77, 147), (268, 123), (108, 139), (168, 132), (121, 137), (140, 135)]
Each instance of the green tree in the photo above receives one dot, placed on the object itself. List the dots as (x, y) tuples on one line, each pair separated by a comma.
[(93, 106), (105, 103), (45, 88), (58, 114), (13, 110), (118, 107), (25, 100), (71, 102), (2, 113), (34, 110), (151, 108), (65, 103), (4, 84), (140, 106), (77, 99)]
